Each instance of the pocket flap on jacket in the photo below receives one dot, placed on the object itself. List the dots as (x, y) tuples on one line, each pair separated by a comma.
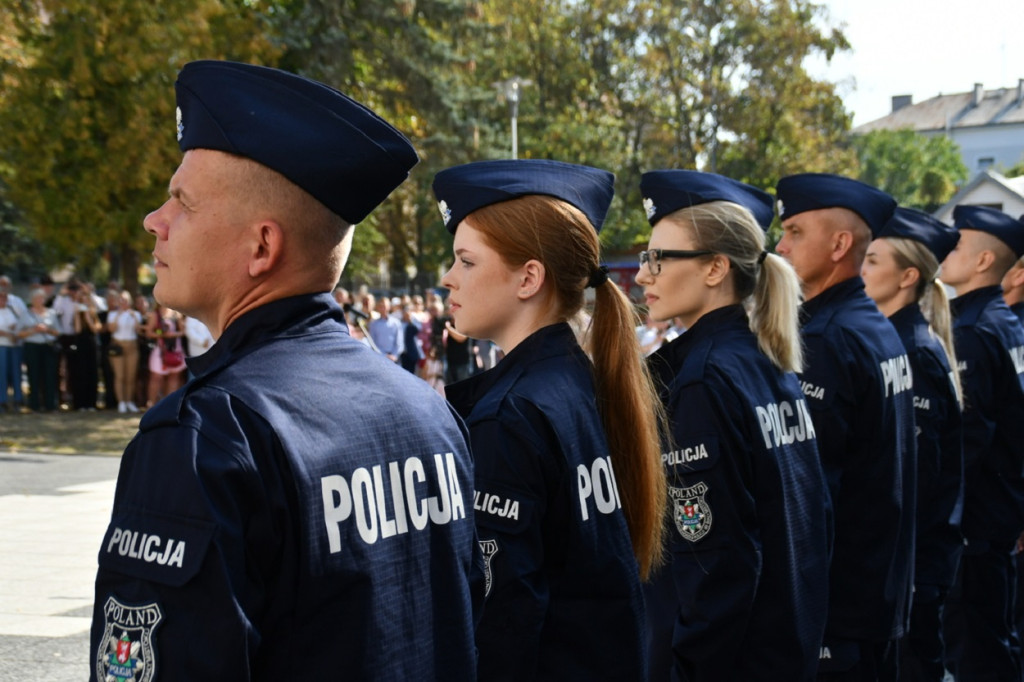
[(167, 550)]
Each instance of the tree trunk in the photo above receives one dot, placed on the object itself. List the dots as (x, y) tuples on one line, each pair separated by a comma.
[(130, 269)]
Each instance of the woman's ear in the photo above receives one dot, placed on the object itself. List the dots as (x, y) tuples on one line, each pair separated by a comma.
[(720, 268), (909, 278), (531, 279)]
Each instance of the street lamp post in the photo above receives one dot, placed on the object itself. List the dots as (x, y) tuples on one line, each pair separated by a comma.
[(510, 90)]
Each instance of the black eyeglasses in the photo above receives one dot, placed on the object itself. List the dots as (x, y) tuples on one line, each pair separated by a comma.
[(653, 257)]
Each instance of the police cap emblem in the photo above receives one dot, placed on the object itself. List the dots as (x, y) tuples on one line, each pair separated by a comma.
[(446, 213), (649, 207)]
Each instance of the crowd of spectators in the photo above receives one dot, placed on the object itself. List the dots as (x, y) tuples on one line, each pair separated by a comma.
[(70, 348), (417, 333), (67, 347)]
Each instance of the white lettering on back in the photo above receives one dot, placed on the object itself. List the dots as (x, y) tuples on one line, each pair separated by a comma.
[(384, 506)]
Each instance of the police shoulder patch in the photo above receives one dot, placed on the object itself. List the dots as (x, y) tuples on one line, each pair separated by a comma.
[(126, 651), (488, 548), (690, 511)]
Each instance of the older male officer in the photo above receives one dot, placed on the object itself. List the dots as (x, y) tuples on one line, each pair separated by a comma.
[(301, 509), (858, 385), (990, 350)]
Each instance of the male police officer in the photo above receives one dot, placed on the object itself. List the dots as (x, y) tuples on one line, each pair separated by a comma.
[(1013, 287), (990, 350), (857, 382), (302, 508)]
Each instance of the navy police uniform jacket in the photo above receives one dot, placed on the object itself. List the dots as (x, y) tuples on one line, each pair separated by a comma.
[(940, 460), (746, 585), (563, 591), (286, 515), (858, 384), (990, 350)]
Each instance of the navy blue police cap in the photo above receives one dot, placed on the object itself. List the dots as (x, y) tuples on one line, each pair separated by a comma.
[(909, 223), (667, 191), (334, 148), (463, 189), (813, 191), (993, 221)]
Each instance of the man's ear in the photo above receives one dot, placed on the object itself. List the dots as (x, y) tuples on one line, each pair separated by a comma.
[(985, 259), (531, 279), (267, 247), (842, 242)]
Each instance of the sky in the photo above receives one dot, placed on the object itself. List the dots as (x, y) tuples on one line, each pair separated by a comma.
[(922, 48)]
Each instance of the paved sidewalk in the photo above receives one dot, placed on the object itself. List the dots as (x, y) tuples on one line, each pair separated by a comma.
[(54, 510)]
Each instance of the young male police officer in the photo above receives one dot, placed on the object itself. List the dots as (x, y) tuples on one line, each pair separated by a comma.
[(1013, 287), (857, 382), (990, 349), (302, 508), (1013, 295)]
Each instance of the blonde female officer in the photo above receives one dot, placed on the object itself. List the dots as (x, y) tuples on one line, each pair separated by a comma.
[(744, 594)]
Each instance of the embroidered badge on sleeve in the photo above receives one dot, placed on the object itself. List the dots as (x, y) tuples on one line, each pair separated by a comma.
[(488, 548), (126, 652), (691, 511)]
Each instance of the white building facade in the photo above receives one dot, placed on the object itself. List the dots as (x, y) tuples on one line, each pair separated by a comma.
[(988, 125), (987, 188)]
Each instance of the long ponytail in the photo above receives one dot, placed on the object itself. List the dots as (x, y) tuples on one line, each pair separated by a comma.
[(563, 240), (632, 414), (775, 318)]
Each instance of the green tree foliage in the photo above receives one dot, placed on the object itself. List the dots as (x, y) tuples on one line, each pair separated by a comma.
[(779, 119), (733, 92), (21, 256), (920, 171), (627, 85), (577, 59), (1016, 170), (87, 122), (632, 85), (404, 59)]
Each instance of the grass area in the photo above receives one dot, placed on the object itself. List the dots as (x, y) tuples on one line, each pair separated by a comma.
[(103, 432)]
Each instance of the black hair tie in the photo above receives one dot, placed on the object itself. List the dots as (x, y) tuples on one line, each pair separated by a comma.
[(760, 259), (598, 277)]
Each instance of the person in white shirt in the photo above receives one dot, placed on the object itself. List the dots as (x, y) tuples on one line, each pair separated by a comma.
[(15, 302), (124, 325), (198, 337)]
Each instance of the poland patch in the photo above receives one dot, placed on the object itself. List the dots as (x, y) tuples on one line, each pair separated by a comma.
[(126, 649), (690, 511), (488, 548)]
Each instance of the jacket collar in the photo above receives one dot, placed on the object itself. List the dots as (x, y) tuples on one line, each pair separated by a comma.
[(552, 340), (295, 315)]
